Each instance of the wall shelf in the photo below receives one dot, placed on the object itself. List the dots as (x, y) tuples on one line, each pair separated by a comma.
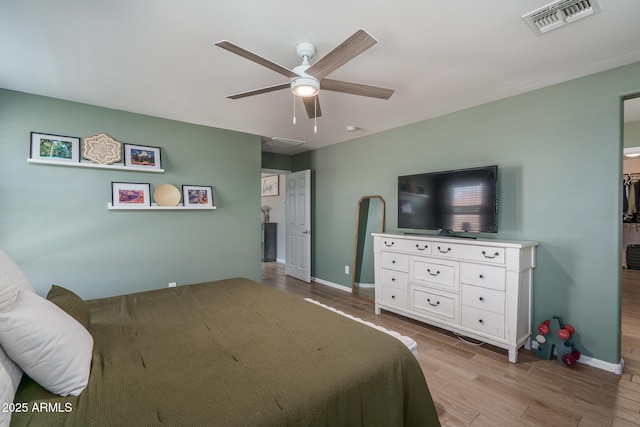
[(155, 207), (94, 166)]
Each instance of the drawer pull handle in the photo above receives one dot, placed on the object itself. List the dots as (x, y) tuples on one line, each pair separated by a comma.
[(388, 244), (433, 274), (393, 279), (421, 249), (432, 304), (481, 276), (490, 256), (393, 297), (481, 321), (393, 261), (445, 251), (481, 299)]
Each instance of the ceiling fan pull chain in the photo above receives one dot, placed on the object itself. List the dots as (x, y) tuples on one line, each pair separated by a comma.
[(294, 109), (315, 114)]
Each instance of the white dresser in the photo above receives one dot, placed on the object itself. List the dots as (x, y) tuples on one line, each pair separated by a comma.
[(477, 288)]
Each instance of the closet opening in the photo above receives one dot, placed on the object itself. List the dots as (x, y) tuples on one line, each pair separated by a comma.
[(630, 254)]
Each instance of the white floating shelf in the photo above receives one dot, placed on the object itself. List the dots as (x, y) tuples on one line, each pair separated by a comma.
[(94, 166), (155, 207)]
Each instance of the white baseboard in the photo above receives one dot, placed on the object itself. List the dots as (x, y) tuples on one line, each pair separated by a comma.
[(323, 282), (331, 284), (616, 368), (366, 285)]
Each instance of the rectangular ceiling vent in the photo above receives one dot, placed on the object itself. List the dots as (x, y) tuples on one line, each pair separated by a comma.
[(560, 13), (279, 142)]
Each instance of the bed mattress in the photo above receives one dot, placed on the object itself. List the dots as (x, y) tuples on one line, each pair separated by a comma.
[(235, 353)]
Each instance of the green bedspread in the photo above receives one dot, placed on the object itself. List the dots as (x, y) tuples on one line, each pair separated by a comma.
[(235, 353)]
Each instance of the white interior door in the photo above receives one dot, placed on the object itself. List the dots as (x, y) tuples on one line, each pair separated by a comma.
[(298, 228)]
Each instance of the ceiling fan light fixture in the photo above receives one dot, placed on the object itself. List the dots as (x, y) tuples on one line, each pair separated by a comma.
[(305, 86)]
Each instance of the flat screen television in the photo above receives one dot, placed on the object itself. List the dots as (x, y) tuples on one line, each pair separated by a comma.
[(463, 200)]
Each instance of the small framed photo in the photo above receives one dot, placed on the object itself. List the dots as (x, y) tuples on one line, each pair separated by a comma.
[(55, 147), (141, 156), (197, 196), (130, 194), (269, 185)]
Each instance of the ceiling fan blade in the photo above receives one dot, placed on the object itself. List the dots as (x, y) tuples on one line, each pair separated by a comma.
[(225, 44), (259, 91), (345, 52), (356, 89), (312, 104)]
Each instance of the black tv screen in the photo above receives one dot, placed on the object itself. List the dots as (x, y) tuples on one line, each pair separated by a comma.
[(456, 200)]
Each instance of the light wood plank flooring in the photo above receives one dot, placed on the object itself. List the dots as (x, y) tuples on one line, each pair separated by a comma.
[(477, 386)]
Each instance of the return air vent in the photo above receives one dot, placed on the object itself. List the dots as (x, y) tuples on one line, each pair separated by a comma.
[(560, 13), (279, 142)]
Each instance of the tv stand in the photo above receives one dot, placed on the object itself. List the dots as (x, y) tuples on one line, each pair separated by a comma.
[(476, 288)]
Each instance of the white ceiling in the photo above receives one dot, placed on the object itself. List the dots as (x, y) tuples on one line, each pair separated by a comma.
[(158, 57)]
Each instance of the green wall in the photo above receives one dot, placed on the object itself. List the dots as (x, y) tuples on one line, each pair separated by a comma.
[(559, 154), (55, 223), (276, 161)]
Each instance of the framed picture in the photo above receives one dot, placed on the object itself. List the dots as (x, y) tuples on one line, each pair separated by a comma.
[(130, 194), (55, 147), (270, 186), (197, 196), (141, 156)]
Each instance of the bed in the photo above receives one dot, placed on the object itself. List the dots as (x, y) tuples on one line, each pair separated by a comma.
[(229, 353)]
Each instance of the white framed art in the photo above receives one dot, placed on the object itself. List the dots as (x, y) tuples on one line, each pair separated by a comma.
[(197, 196), (56, 148)]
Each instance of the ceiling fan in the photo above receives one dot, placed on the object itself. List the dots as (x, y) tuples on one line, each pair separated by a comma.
[(306, 79)]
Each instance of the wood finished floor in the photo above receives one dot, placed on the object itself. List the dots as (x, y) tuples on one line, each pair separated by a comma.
[(477, 386)]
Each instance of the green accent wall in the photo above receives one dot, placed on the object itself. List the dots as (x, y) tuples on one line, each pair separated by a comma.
[(559, 153), (56, 226), (276, 161)]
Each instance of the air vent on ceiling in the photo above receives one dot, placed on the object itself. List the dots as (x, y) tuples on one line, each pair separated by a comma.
[(560, 13), (279, 142)]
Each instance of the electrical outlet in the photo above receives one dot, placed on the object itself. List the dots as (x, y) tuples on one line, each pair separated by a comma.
[(172, 284), (346, 269)]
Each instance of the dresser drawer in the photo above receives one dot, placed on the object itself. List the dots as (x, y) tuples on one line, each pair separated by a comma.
[(393, 296), (436, 272), (483, 275), (469, 252), (483, 298), (394, 261), (395, 279), (483, 321), (419, 247), (438, 304)]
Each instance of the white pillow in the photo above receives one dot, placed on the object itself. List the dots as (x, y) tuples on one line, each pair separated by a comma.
[(12, 280), (10, 376), (49, 345)]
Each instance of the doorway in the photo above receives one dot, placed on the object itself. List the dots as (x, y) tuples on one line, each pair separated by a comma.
[(286, 206), (630, 275), (273, 201)]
